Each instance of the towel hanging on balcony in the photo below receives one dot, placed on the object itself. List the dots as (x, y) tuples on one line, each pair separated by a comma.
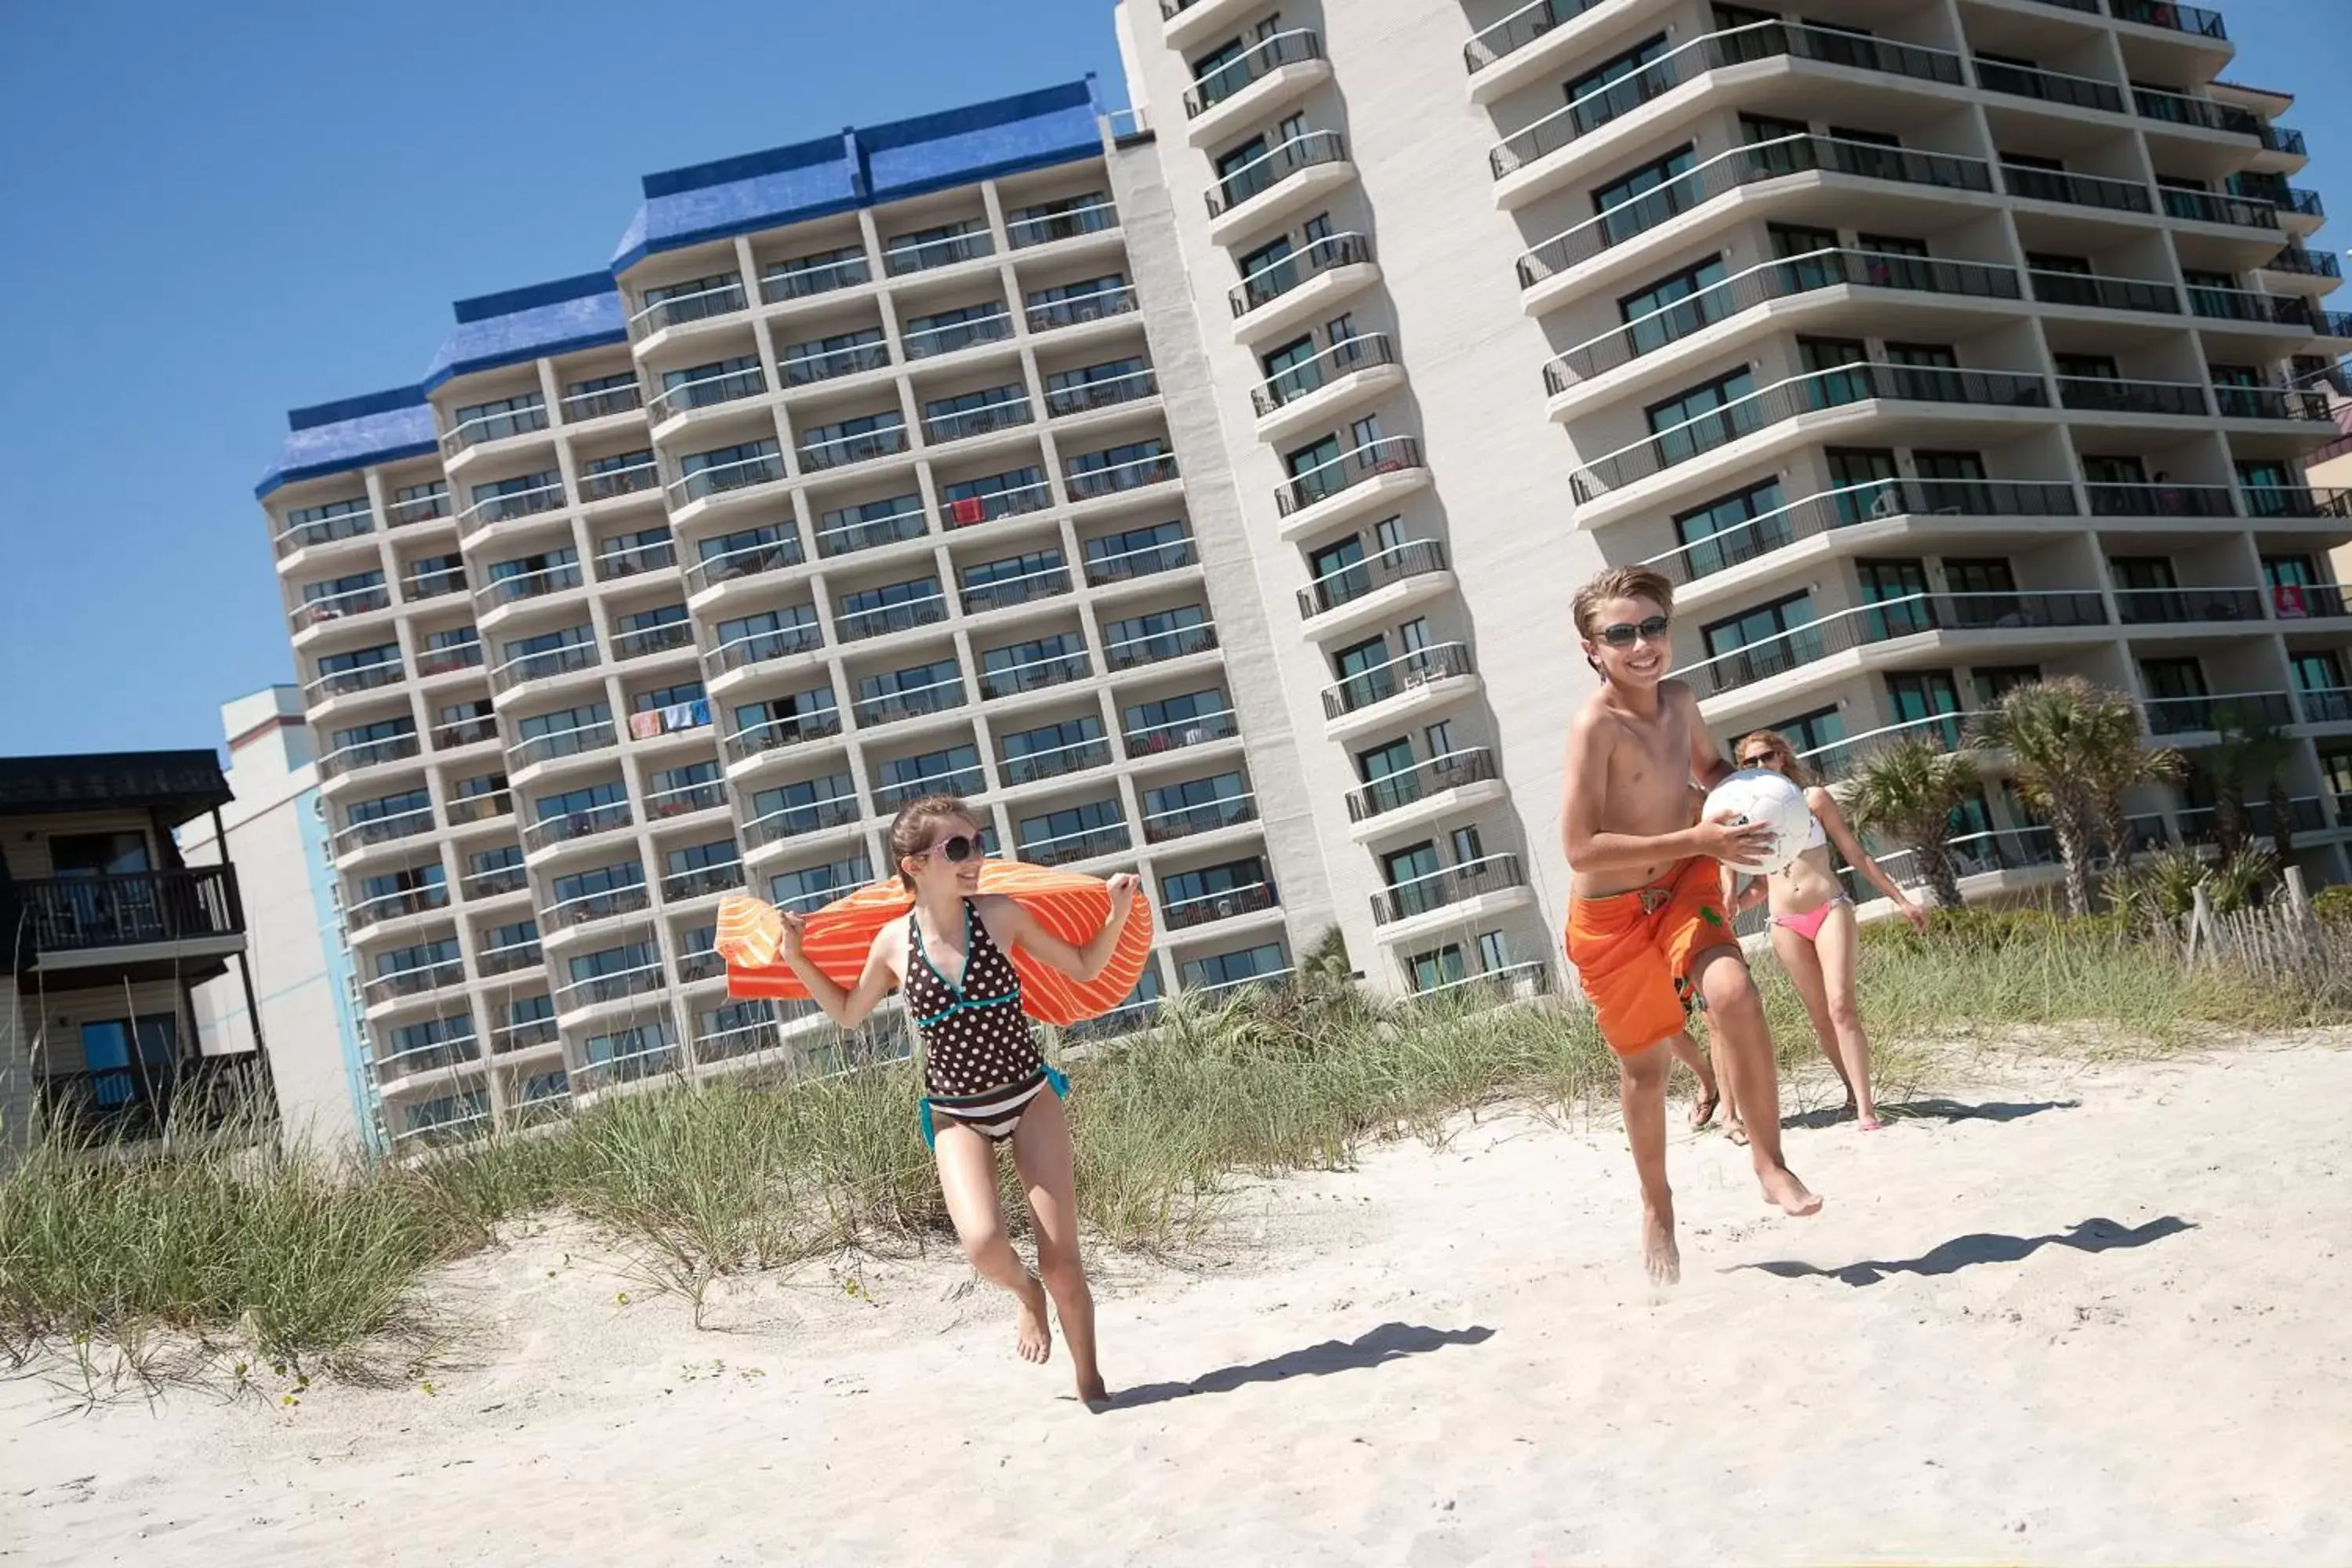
[(967, 511), (644, 725), (837, 937)]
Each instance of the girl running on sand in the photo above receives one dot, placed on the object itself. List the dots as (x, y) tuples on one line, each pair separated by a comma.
[(984, 1080), (1814, 928)]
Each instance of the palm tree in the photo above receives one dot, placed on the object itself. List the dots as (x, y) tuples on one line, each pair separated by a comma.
[(2254, 749), (1907, 791), (2115, 761), (2052, 729)]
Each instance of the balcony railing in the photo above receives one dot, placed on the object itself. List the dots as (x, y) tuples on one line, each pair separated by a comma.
[(998, 593), (1278, 278), (706, 392), (486, 806), (685, 800), (330, 607), (781, 642), (2175, 606), (2174, 17), (1388, 455), (2204, 206), (2051, 87), (464, 732), (1256, 62), (831, 365), (1343, 358), (2328, 705), (2178, 108), (859, 447), (1099, 305), (2303, 262), (1870, 501), (2130, 500), (766, 468), (1436, 891), (2248, 305), (1129, 564), (721, 299), (1036, 674), (384, 830), (776, 734), (1063, 848), (663, 638), (82, 914), (448, 660), (577, 741), (572, 825), (1889, 618), (1391, 792), (367, 754), (1406, 672), (1103, 392), (1006, 414), (463, 1050), (798, 820), (1518, 30), (1776, 280), (584, 406), (400, 513), (2302, 203), (324, 530), (871, 533), (1132, 653), (1711, 52), (527, 585), (496, 882), (1196, 729), (1740, 166), (2075, 190), (964, 512), (2279, 138), (148, 1099), (929, 342), (2107, 395), (589, 907), (2272, 402), (1184, 915), (1093, 484), (1031, 767), (1397, 564), (789, 282), (617, 987), (903, 257), (415, 980), (2207, 715), (2105, 293), (566, 660), (750, 561), (1812, 393), (353, 678), (1044, 229), (509, 507), (910, 703), (860, 624), (1308, 149), (498, 426), (1209, 817)]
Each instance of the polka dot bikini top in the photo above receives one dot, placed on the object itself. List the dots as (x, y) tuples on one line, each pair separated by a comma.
[(975, 1036)]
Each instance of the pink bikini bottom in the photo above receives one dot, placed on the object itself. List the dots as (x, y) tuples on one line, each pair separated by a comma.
[(1809, 924)]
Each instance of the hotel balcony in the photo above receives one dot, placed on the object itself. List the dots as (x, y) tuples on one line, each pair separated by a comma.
[(1472, 890), (1263, 77), (1374, 588), (1372, 475), (139, 919), (1208, 909), (1289, 290), (1825, 279), (1322, 389), (1533, 161), (1410, 683), (683, 305), (1183, 23), (778, 735), (1546, 272), (1415, 796), (1819, 399), (149, 1099), (1279, 181), (2168, 718)]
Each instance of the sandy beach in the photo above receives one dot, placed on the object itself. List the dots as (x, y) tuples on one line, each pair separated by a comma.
[(2069, 1315)]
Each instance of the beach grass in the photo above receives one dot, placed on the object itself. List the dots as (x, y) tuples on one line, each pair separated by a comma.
[(299, 1259)]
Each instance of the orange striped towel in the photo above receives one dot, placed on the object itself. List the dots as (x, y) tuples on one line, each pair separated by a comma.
[(837, 937)]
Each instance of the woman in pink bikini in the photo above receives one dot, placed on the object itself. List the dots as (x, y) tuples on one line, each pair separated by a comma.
[(1814, 928)]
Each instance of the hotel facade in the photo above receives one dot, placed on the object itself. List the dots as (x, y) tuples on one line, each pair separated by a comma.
[(1199, 490)]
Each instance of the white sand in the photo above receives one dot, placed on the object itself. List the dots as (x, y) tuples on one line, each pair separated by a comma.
[(1442, 1357)]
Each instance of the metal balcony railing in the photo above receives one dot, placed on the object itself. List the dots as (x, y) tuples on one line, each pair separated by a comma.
[(1197, 729), (83, 914), (1423, 667), (1516, 31), (2178, 108), (147, 1099), (2109, 394), (2204, 206), (1398, 562), (1278, 278), (1343, 358), (778, 734), (2159, 501), (2075, 190), (1184, 915), (1885, 620), (2172, 16), (1387, 454), (2208, 715), (1256, 63), (1394, 791), (1866, 502), (1440, 890), (2051, 87), (1308, 149), (2175, 606)]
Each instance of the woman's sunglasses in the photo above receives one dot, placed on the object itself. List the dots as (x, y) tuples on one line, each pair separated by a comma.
[(1624, 633), (955, 850), (1760, 760)]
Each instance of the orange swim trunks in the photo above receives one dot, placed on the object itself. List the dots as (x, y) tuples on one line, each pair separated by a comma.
[(1633, 951)]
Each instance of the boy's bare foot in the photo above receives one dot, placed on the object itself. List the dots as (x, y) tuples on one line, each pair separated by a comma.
[(1092, 1394), (1036, 1344), (1659, 1253), (1870, 1123), (1782, 1187), (1736, 1132), (1703, 1108)]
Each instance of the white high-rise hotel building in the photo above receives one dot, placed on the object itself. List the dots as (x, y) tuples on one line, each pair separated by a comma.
[(1207, 499)]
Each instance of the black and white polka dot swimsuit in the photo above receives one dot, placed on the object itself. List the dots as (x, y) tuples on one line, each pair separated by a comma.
[(980, 1064)]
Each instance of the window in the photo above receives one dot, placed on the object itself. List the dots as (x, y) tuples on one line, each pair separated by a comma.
[(1978, 575), (2173, 678), (1592, 105), (1901, 587), (1468, 845), (1221, 969), (2289, 572), (954, 770), (1866, 482), (1052, 749), (1176, 720), (2321, 671), (1922, 697), (1027, 665), (665, 697), (1493, 953), (1438, 739), (812, 887), (1163, 634), (1831, 354), (1076, 833), (1136, 551), (1891, 245), (1811, 733), (1674, 306), (1727, 531), (1211, 882), (577, 802), (2143, 572), (1762, 637), (1703, 417), (1620, 200), (1439, 968)]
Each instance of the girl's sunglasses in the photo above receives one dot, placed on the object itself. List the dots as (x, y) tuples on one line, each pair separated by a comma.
[(955, 850), (1624, 633)]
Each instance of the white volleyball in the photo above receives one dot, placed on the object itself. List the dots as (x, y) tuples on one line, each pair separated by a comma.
[(1762, 796)]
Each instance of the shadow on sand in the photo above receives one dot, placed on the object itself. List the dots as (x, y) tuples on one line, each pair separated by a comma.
[(1945, 1111), (1390, 1341), (1969, 1251)]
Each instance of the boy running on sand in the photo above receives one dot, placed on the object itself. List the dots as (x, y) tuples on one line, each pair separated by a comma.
[(1645, 922)]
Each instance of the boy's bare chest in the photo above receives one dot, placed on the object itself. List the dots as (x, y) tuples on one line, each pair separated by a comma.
[(1652, 758)]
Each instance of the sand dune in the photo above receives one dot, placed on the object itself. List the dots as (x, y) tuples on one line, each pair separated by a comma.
[(2070, 1316)]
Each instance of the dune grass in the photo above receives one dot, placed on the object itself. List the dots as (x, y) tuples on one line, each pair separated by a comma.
[(297, 1259)]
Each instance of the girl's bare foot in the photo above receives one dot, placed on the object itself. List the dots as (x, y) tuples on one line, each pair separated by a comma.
[(1793, 1198), (1736, 1132), (1659, 1254), (1869, 1122), (1036, 1344)]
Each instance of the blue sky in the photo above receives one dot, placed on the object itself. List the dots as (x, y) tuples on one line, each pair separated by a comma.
[(221, 211)]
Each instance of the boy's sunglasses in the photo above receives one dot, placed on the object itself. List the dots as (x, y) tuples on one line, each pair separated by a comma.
[(1623, 633), (955, 850)]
